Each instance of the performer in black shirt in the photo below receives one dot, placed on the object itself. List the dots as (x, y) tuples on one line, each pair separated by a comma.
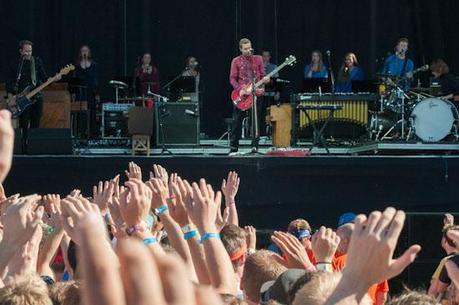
[(27, 72), (447, 81)]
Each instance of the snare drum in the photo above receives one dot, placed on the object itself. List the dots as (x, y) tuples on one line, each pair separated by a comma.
[(433, 119)]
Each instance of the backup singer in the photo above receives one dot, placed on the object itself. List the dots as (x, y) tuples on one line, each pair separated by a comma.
[(192, 69), (399, 64), (27, 71), (243, 67), (88, 89), (316, 69), (349, 71), (146, 76), (447, 81)]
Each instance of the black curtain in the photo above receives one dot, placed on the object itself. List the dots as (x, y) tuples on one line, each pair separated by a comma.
[(119, 31)]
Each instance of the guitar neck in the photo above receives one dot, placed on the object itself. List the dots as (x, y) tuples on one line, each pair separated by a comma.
[(270, 74), (39, 88)]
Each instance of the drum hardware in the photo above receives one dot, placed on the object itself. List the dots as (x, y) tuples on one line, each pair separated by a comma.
[(117, 85)]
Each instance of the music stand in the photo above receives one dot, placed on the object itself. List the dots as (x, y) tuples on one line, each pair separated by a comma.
[(316, 85)]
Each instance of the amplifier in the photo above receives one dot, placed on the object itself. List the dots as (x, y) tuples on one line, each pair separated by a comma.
[(177, 124), (115, 120)]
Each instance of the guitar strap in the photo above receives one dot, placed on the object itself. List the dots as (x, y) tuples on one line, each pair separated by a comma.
[(33, 71)]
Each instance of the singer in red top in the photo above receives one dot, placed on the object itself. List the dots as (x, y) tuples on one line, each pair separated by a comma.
[(243, 67)]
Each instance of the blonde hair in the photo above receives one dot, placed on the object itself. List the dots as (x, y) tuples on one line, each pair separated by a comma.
[(233, 239), (244, 41), (299, 224), (259, 268), (413, 298), (65, 293), (25, 290)]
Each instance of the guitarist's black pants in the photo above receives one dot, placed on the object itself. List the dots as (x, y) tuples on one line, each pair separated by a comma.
[(30, 118), (236, 129)]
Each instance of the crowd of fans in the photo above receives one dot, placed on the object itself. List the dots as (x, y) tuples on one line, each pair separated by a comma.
[(166, 240)]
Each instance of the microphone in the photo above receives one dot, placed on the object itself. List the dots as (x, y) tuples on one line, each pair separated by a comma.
[(190, 112), (280, 80), (328, 52)]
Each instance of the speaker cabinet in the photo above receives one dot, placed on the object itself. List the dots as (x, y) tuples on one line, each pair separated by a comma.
[(49, 141), (177, 124)]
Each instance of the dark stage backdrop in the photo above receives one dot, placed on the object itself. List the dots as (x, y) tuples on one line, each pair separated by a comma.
[(119, 31)]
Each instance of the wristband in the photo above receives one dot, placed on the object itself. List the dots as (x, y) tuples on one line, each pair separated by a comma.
[(161, 209), (190, 234), (188, 228), (137, 227), (324, 266), (209, 235), (107, 216), (149, 240)]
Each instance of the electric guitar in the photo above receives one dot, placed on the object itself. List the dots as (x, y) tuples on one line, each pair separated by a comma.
[(245, 102), (18, 103)]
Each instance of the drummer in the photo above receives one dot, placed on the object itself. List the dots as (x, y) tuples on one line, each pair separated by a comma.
[(449, 86)]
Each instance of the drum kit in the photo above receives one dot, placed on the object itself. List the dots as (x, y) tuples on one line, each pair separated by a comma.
[(411, 114)]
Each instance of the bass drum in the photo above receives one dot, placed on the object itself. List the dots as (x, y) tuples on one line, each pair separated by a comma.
[(433, 119)]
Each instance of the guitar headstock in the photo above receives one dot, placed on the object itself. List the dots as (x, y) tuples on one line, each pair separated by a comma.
[(290, 60), (67, 69)]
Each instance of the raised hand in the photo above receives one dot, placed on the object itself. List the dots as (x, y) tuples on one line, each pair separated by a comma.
[(134, 171), (230, 186), (52, 204), (295, 255), (177, 208), (251, 237), (103, 194), (6, 143), (159, 191), (204, 211), (160, 172), (372, 247), (21, 220), (135, 202), (448, 220), (222, 219), (324, 243)]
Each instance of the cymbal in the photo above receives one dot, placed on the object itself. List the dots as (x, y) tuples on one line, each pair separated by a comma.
[(136, 98), (117, 84), (420, 89)]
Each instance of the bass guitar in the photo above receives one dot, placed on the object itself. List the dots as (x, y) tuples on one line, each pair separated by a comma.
[(18, 103), (245, 102)]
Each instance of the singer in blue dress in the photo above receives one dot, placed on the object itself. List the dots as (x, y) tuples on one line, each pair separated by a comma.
[(316, 69), (349, 71)]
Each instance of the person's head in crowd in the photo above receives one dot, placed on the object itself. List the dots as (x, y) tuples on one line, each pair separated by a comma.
[(234, 240), (319, 288), (439, 67), (28, 289), (72, 259), (278, 290), (259, 268), (65, 293), (348, 217), (413, 298), (303, 280), (447, 243), (344, 232), (301, 229)]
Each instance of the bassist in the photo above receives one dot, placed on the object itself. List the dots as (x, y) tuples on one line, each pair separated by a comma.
[(27, 72), (243, 67)]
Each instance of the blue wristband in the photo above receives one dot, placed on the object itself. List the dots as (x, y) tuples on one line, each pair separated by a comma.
[(209, 235), (161, 209), (149, 240), (190, 234)]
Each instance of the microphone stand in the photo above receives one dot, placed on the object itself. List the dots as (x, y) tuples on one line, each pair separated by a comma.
[(161, 103), (166, 86), (330, 71)]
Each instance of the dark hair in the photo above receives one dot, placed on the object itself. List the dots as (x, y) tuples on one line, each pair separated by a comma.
[(72, 255), (403, 39), (22, 43), (80, 57)]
